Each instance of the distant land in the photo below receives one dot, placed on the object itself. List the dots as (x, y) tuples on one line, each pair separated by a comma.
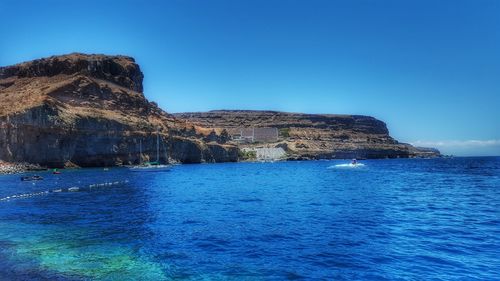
[(90, 111), (310, 136)]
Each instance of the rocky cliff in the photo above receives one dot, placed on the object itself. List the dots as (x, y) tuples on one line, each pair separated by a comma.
[(314, 136), (90, 110)]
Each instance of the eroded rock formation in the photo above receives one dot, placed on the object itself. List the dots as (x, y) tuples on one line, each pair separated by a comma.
[(314, 136), (89, 110)]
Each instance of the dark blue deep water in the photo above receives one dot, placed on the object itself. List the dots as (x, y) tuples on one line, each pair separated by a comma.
[(390, 220)]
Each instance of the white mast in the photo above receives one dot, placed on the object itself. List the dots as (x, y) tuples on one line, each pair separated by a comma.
[(158, 145)]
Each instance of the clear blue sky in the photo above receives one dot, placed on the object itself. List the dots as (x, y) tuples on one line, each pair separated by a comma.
[(429, 69)]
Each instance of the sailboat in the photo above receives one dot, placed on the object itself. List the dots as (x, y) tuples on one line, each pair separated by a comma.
[(151, 166)]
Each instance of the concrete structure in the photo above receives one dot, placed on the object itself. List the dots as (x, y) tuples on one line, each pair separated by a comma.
[(267, 153), (250, 135)]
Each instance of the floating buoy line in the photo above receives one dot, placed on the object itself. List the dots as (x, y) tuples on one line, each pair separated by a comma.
[(68, 189)]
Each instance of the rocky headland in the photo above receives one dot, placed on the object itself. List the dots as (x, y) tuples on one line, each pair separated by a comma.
[(90, 110), (82, 110), (313, 136)]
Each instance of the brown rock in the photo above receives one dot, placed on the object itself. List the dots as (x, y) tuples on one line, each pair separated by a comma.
[(90, 110), (315, 136)]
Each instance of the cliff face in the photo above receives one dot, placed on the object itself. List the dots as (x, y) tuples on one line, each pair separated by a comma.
[(89, 110), (315, 136)]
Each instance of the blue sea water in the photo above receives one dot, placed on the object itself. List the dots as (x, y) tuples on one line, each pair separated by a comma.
[(408, 219)]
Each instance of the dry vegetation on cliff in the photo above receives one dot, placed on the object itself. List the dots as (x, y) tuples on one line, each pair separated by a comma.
[(314, 135), (90, 110)]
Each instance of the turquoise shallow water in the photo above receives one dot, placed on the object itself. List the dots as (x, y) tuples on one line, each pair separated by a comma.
[(410, 219)]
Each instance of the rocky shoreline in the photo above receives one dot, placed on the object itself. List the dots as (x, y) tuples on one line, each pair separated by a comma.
[(86, 110), (90, 110), (16, 168), (308, 136)]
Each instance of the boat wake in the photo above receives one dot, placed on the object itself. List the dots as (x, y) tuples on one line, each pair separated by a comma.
[(347, 166)]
